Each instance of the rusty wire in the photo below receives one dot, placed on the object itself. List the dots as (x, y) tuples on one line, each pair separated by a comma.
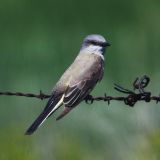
[(132, 96)]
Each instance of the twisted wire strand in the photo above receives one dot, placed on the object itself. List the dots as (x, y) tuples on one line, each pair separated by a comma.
[(132, 96)]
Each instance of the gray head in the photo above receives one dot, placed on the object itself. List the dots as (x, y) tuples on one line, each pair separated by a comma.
[(95, 42)]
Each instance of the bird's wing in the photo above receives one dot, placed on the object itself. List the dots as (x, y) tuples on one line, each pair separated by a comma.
[(101, 71), (75, 93)]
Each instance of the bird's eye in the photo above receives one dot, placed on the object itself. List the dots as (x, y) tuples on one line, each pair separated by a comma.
[(94, 43)]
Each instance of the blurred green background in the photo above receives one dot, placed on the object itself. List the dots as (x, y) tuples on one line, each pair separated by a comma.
[(38, 41)]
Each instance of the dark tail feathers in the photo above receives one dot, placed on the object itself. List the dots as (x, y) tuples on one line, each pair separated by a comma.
[(45, 114)]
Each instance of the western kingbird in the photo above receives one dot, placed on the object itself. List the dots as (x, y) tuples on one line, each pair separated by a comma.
[(77, 81)]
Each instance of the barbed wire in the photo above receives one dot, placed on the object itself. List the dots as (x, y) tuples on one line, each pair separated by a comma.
[(138, 93)]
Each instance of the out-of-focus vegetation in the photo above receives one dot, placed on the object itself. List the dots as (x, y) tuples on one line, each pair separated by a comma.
[(39, 39)]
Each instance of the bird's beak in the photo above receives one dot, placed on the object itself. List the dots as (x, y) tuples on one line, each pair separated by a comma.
[(106, 44)]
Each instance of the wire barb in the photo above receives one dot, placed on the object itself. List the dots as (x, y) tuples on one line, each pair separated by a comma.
[(132, 96)]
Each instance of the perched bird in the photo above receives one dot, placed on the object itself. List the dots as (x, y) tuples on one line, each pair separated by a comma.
[(77, 81)]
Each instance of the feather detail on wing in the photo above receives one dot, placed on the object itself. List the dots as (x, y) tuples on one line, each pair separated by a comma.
[(75, 94)]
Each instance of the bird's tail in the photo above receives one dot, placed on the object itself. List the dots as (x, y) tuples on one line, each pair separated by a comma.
[(65, 111), (50, 108)]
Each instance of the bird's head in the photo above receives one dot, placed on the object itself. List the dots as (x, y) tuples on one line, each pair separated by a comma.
[(95, 42)]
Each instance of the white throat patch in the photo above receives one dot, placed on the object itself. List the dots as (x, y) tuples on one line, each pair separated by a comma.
[(95, 50)]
